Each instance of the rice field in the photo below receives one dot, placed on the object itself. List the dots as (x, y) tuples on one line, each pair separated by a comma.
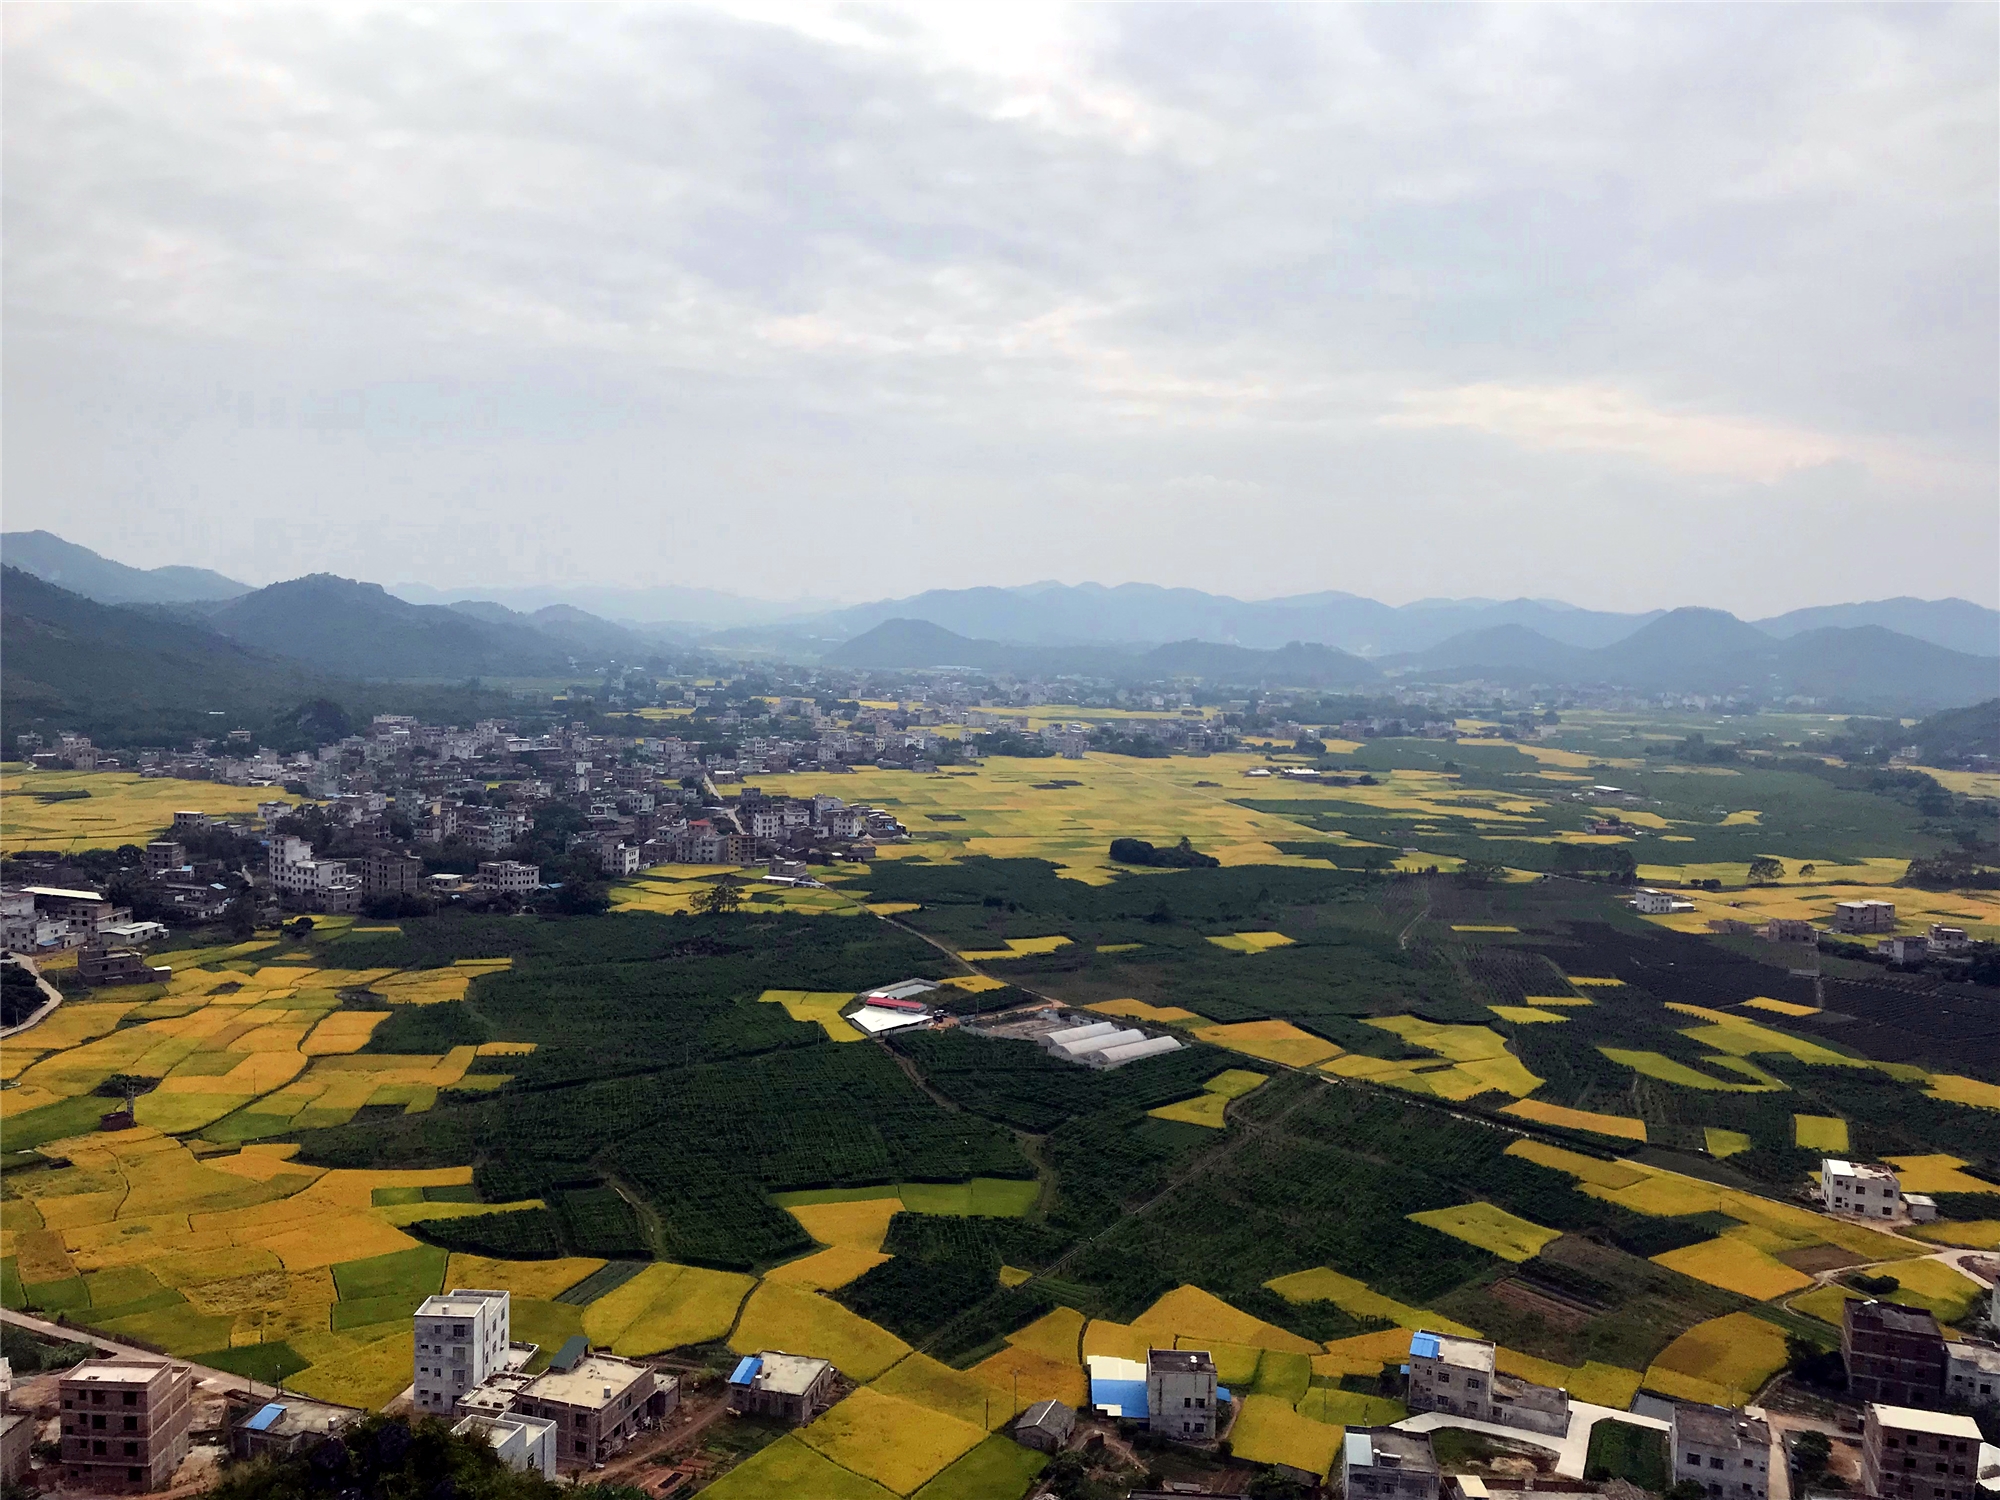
[(1322, 1284), (811, 1006), (1269, 1431), (937, 1387), (1781, 1007), (1273, 1041), (1723, 1144), (894, 1442), (803, 1322), (1159, 1015), (824, 1270), (1525, 1015), (1189, 1312), (1492, 1229), (1251, 942), (1819, 1132), (1017, 948), (998, 1469), (1722, 1362), (1206, 1108), (1973, 1234), (1735, 1265), (1480, 1060), (119, 808), (666, 1306), (1936, 1174), (789, 1468), (1620, 1127)]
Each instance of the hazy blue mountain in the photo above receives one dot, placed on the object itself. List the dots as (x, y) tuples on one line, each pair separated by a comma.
[(1956, 623), (73, 663), (582, 633), (1709, 651), (1052, 614), (666, 604), (362, 630), (81, 571), (1292, 665)]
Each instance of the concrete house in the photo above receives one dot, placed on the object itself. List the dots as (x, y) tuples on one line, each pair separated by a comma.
[(1894, 1354), (1451, 1374), (462, 1339), (1181, 1394), (1847, 1187), (1864, 916), (1722, 1450), (1382, 1463), (790, 1387), (598, 1405), (1972, 1373), (1918, 1455), (125, 1424), (522, 1442), (286, 1426)]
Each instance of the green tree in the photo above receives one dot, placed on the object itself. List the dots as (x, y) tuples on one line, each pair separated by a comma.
[(720, 899), (1764, 869)]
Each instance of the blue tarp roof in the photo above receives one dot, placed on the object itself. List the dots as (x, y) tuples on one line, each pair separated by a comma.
[(1424, 1346), (1222, 1393), (1129, 1396), (266, 1417), (746, 1370)]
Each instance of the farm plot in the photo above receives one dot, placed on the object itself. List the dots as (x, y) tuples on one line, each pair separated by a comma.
[(1273, 1041), (825, 1009), (1722, 1362), (1490, 1228), (1735, 1265), (785, 1317), (1269, 1431), (1252, 942), (789, 1468), (1206, 1108), (1819, 1132), (1619, 1127), (1320, 1284), (893, 1441), (116, 808), (666, 1306)]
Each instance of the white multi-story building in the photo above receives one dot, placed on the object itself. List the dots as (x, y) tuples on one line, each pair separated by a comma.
[(1864, 916), (510, 876), (1724, 1451), (1972, 1371), (461, 1339), (1180, 1394), (1847, 1187), (316, 884)]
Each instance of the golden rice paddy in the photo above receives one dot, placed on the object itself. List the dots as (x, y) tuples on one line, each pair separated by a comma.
[(1491, 1228)]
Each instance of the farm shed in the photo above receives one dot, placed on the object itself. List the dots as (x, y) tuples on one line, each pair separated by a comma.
[(1117, 1057)]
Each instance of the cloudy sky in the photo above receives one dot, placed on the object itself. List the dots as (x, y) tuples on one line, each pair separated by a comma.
[(1623, 305)]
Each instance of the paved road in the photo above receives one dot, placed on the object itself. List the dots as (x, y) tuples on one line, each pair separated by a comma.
[(48, 1005), (1571, 1450), (70, 1334)]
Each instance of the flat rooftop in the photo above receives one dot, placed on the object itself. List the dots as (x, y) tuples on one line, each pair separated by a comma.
[(584, 1385), (786, 1374), (1941, 1423), (1857, 1169), (117, 1371), (1179, 1362), (456, 1304), (1720, 1426), (1892, 1317), (1464, 1354), (1386, 1447)]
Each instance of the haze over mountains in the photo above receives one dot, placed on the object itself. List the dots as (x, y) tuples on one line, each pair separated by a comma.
[(1906, 653)]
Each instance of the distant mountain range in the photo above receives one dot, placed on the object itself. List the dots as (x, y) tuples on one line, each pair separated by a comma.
[(336, 627), (1682, 651), (84, 572)]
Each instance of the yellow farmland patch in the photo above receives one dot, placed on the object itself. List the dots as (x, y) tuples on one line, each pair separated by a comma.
[(1056, 1333), (816, 1006), (1481, 1061), (1622, 1127), (1735, 1265), (1973, 1234), (857, 1225), (1936, 1174), (1939, 1286), (1269, 1431), (1525, 1015), (1019, 1373), (1723, 1143), (1207, 1107), (1471, 927), (117, 807), (1252, 942), (1972, 1091), (938, 1387), (1819, 1132), (1363, 1354), (1491, 1228), (976, 984), (1781, 1007), (790, 1318), (1273, 1041), (1728, 1358), (1190, 1312), (1322, 1284), (1017, 948), (524, 1278), (1139, 1010), (1608, 1174), (1667, 1070), (1557, 1000), (1588, 982), (827, 1269)]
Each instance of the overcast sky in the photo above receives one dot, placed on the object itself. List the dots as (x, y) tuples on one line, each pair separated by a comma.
[(1628, 306)]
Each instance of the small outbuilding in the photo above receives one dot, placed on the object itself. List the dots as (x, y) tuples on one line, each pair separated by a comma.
[(1046, 1427)]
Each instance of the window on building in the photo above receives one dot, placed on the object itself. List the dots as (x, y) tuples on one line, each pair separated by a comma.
[(97, 1446), (131, 1398), (135, 1476), (131, 1450), (1715, 1463), (98, 1423), (131, 1424)]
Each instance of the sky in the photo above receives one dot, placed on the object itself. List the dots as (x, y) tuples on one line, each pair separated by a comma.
[(1632, 306)]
